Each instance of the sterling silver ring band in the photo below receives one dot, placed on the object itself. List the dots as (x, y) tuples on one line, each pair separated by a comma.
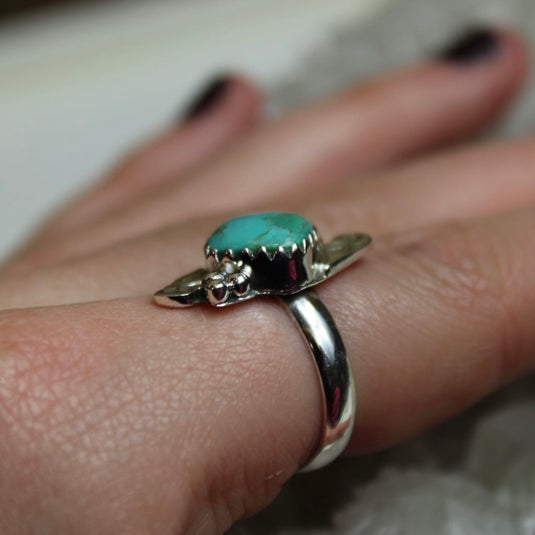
[(337, 386)]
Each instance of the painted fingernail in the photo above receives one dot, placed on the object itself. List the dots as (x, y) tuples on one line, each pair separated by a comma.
[(207, 99), (474, 46)]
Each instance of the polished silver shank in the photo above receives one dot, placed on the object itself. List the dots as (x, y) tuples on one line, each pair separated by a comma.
[(323, 338)]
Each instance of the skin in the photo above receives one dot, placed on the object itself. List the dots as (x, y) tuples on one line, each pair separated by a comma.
[(117, 416)]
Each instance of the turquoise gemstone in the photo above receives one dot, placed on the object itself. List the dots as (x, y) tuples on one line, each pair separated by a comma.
[(270, 230)]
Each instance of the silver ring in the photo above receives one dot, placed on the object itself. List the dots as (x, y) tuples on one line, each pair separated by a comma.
[(281, 254), (323, 338)]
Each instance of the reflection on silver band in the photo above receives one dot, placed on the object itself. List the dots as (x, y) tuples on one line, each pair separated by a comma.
[(325, 342)]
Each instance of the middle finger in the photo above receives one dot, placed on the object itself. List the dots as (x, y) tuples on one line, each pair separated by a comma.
[(467, 184)]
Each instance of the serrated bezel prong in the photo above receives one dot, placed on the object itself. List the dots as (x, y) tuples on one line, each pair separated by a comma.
[(263, 251), (303, 247), (250, 254)]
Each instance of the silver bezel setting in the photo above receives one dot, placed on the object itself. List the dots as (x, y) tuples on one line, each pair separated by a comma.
[(215, 256), (314, 260)]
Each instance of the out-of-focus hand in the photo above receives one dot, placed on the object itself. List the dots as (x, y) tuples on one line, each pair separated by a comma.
[(117, 416)]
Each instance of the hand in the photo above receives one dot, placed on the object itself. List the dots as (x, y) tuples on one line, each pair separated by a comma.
[(117, 416)]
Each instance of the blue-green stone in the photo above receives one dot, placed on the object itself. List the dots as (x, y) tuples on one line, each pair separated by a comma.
[(270, 230)]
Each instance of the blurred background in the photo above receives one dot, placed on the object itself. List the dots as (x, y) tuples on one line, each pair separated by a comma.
[(82, 82)]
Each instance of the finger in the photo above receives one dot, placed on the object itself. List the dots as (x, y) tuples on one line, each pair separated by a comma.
[(461, 311), (319, 146), (463, 184), (226, 109), (467, 183), (432, 320), (367, 126)]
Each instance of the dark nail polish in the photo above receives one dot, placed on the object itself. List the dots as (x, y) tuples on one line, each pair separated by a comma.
[(207, 98), (472, 47)]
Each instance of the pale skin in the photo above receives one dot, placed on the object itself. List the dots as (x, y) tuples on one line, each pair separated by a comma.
[(117, 416)]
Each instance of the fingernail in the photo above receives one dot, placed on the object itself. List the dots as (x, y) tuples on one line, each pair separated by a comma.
[(207, 99), (474, 46)]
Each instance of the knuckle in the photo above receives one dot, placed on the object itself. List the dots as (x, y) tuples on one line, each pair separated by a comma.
[(466, 270), (459, 262)]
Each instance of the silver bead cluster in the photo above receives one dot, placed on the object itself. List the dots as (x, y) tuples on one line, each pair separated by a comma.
[(228, 278)]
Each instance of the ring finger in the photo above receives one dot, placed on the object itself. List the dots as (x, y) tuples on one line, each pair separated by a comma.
[(432, 321)]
